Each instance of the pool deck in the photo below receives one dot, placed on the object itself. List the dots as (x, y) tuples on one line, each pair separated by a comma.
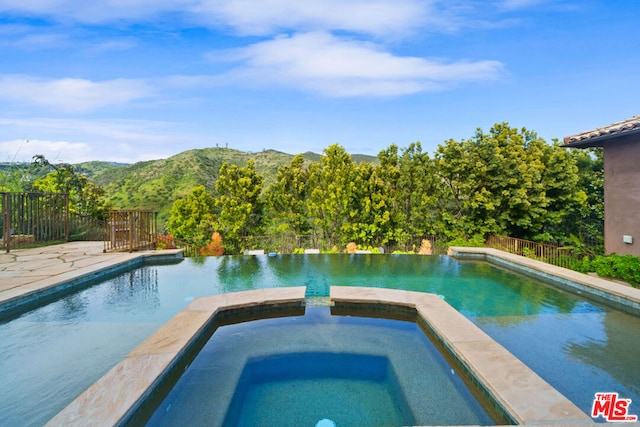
[(27, 274)]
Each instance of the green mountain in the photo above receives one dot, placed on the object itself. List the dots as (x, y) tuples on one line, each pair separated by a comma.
[(156, 184), (91, 169)]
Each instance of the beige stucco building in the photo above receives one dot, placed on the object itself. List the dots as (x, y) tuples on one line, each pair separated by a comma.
[(621, 144)]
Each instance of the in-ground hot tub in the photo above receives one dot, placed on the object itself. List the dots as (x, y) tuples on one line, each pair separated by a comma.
[(296, 371)]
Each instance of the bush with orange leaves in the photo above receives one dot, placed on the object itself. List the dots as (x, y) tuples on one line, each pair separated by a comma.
[(165, 242), (214, 248)]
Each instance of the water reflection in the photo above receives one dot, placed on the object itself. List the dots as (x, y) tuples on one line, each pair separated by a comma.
[(74, 307), (615, 352), (473, 288), (136, 290), (238, 273), (578, 353)]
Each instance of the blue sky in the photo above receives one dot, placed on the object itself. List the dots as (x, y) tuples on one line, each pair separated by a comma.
[(132, 80)]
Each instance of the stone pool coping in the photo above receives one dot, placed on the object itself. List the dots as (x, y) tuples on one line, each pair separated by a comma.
[(612, 293), (29, 275), (117, 397)]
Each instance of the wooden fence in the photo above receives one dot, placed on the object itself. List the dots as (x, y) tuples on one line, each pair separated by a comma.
[(29, 218), (130, 230), (556, 255)]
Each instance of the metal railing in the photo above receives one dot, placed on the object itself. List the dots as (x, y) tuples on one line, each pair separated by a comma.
[(551, 254), (130, 230)]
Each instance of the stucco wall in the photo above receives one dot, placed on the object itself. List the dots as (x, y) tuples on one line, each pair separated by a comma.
[(622, 195)]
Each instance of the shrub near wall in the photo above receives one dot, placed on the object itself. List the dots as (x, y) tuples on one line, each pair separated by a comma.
[(623, 267)]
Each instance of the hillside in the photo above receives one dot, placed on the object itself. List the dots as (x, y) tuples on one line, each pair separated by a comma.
[(156, 184), (92, 169)]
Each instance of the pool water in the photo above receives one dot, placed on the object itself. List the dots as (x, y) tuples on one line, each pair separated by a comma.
[(50, 354), (355, 389), (296, 371)]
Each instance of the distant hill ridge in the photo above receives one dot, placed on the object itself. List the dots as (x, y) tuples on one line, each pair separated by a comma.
[(156, 184)]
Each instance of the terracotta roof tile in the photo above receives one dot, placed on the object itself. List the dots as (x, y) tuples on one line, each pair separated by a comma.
[(605, 132)]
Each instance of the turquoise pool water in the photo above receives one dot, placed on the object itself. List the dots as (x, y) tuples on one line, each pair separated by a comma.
[(295, 371), (50, 354)]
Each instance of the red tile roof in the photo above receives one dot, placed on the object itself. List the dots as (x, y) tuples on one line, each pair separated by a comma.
[(596, 137)]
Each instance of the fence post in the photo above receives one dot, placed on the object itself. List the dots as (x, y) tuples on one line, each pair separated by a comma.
[(6, 220), (155, 230), (131, 231), (66, 217)]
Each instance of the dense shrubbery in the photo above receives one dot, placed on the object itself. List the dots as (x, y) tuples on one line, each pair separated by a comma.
[(623, 267)]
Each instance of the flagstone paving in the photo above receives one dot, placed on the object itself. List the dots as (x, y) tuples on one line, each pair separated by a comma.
[(25, 273)]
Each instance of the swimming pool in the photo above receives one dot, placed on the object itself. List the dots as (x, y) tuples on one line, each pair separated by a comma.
[(51, 354)]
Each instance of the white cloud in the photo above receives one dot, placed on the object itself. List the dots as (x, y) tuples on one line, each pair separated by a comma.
[(76, 140), (264, 17), (54, 151), (72, 95), (93, 12), (378, 18), (114, 45), (332, 66), (520, 4), (40, 41), (257, 17)]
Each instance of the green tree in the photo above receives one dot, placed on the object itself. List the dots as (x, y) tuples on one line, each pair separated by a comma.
[(193, 218), (238, 203), (587, 223), (286, 204), (407, 193), (13, 180), (506, 181), (85, 197), (567, 199), (369, 215), (332, 184), (454, 167), (418, 190)]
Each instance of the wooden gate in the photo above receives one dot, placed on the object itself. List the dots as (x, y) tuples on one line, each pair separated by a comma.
[(130, 230)]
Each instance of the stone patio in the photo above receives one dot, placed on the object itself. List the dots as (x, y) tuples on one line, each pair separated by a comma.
[(28, 274)]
